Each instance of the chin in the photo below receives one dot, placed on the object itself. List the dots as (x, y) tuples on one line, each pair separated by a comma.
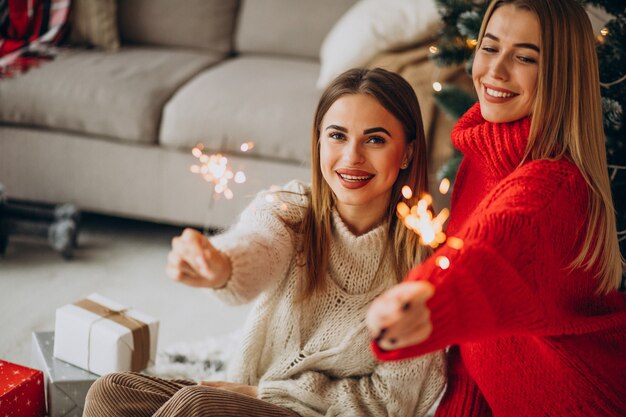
[(499, 115)]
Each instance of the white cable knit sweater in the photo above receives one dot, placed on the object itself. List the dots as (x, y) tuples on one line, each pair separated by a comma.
[(314, 358)]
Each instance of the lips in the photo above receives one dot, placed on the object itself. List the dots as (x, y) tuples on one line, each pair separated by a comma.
[(353, 179), (497, 95)]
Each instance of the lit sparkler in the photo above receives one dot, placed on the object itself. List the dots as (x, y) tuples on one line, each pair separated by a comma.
[(421, 219), (214, 169)]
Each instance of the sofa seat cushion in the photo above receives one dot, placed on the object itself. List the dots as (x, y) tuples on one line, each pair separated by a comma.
[(267, 100), (117, 95)]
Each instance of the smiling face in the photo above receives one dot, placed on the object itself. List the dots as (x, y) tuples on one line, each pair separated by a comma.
[(362, 148), (506, 65)]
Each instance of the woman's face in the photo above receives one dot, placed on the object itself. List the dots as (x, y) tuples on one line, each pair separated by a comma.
[(506, 65), (362, 147)]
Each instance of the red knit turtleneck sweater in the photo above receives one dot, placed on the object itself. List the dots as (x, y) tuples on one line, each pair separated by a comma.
[(533, 338)]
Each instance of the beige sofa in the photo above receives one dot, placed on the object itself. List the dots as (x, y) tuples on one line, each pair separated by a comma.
[(112, 131)]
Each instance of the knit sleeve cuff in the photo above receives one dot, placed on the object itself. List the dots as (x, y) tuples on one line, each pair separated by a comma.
[(472, 300)]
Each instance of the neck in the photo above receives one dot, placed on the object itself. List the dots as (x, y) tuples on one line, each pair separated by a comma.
[(360, 220)]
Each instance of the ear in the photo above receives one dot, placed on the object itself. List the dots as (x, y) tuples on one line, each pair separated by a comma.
[(408, 155)]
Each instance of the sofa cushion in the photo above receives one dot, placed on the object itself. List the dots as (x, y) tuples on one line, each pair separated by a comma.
[(267, 101), (289, 27), (205, 24), (118, 95), (94, 23)]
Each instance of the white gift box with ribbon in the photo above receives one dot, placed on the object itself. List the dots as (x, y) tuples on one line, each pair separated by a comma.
[(103, 336)]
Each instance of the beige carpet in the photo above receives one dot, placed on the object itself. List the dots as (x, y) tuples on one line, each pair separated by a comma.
[(120, 259)]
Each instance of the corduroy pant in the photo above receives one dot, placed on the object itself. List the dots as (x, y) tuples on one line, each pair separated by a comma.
[(130, 394)]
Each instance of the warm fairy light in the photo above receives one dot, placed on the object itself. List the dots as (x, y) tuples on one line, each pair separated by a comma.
[(604, 31), (433, 49), (246, 146), (442, 262), (214, 169), (437, 86), (407, 192), (471, 43), (444, 186)]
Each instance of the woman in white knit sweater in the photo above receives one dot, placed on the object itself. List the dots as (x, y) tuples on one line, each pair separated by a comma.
[(313, 257)]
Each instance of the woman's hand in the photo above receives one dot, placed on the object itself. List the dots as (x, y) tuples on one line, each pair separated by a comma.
[(195, 262), (399, 317), (248, 390)]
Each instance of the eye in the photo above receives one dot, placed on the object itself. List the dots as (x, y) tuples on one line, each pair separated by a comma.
[(489, 49), (527, 59), (377, 140), (336, 135)]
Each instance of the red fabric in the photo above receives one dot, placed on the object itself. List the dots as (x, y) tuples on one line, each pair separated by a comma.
[(31, 25), (21, 391), (533, 338)]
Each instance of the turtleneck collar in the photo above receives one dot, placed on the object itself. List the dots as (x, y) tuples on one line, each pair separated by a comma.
[(354, 260), (497, 147)]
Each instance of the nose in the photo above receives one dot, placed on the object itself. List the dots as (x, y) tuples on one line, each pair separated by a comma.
[(353, 154), (499, 67)]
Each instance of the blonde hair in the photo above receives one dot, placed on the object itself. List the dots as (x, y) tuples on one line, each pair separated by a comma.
[(567, 122), (397, 97)]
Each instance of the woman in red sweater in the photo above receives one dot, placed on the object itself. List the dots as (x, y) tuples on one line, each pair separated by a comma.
[(529, 301)]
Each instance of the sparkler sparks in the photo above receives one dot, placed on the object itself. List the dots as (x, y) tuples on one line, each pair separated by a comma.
[(428, 226), (214, 169)]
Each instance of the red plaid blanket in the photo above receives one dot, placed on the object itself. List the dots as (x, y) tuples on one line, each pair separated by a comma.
[(27, 30)]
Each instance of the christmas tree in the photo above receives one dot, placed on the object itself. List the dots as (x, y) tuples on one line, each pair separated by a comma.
[(457, 41)]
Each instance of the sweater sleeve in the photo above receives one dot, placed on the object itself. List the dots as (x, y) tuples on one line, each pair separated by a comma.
[(511, 275), (401, 389), (261, 244)]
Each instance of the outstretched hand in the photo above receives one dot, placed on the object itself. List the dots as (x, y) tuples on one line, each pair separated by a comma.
[(399, 317), (195, 262)]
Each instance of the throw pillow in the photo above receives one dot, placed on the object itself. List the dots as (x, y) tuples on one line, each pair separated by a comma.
[(94, 23), (373, 26)]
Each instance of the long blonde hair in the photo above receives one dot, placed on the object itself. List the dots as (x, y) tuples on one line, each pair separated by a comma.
[(567, 122), (397, 97)]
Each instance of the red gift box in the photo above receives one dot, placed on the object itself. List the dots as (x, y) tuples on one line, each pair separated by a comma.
[(21, 391)]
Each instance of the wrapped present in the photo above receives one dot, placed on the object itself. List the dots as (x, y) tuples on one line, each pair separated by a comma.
[(66, 385), (102, 336), (21, 391)]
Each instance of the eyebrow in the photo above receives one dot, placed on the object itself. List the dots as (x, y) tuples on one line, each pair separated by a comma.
[(519, 45), (365, 132)]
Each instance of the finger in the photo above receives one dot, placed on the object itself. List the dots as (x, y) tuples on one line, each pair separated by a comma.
[(381, 314), (405, 299), (413, 292), (415, 336), (191, 251), (174, 261)]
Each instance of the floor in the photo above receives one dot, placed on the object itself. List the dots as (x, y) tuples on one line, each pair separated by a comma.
[(121, 259)]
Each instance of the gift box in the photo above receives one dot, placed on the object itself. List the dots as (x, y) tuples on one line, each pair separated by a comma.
[(103, 336), (21, 391), (66, 385)]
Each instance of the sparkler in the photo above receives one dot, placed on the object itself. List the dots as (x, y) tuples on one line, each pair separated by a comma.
[(421, 219), (214, 169)]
